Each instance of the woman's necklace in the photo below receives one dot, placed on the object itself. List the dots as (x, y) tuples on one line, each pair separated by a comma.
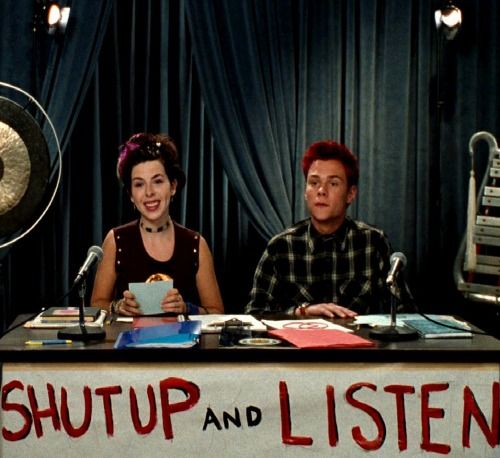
[(155, 229)]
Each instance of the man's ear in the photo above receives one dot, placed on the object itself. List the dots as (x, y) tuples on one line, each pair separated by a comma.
[(351, 194)]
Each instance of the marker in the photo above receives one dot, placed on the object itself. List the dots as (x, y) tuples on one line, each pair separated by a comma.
[(48, 342)]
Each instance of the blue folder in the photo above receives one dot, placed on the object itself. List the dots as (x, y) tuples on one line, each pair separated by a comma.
[(184, 334)]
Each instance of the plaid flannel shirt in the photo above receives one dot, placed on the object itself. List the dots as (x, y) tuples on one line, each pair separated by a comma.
[(300, 266)]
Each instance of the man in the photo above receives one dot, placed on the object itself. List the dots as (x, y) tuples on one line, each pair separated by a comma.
[(327, 265)]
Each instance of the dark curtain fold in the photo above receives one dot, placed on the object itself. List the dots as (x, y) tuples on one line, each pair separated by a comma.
[(243, 87), (244, 55), (71, 64)]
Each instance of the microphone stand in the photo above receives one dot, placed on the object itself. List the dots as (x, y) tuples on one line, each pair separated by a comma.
[(393, 333), (82, 332)]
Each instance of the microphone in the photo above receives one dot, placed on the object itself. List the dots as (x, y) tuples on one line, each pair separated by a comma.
[(393, 332), (94, 255), (81, 332), (398, 263)]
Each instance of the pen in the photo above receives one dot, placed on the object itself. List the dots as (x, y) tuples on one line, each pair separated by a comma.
[(48, 342)]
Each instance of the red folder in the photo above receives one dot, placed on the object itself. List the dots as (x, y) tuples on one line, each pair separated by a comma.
[(321, 338)]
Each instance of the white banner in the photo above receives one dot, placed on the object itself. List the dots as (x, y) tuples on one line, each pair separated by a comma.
[(250, 410)]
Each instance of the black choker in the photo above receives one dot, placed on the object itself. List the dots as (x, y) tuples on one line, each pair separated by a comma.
[(153, 229)]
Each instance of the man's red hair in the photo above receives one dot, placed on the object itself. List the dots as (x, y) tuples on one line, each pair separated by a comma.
[(329, 149)]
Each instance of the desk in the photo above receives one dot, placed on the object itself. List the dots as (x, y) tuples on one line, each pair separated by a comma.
[(398, 398)]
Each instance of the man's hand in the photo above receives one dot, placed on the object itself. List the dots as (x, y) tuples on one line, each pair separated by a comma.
[(330, 310)]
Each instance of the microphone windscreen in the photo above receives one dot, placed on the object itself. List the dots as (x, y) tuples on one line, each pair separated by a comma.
[(398, 256), (97, 251)]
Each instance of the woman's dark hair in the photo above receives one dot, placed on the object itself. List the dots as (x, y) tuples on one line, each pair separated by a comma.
[(329, 149), (144, 147)]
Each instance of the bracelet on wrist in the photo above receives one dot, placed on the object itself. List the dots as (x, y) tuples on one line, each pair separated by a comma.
[(302, 309), (113, 307), (192, 309)]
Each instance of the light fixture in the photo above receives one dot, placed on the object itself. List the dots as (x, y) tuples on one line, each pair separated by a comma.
[(448, 19), (50, 17), (56, 18)]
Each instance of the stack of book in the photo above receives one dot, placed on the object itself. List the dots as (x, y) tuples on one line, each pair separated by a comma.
[(61, 317)]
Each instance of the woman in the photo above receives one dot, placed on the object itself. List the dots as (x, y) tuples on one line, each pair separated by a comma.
[(149, 169)]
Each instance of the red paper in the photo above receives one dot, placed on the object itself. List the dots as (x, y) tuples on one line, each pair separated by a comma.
[(321, 338), (146, 321)]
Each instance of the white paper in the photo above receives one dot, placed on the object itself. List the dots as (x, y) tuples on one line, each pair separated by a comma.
[(316, 323), (150, 295), (214, 323), (385, 319)]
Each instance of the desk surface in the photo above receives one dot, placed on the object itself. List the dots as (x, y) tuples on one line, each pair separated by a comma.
[(479, 348)]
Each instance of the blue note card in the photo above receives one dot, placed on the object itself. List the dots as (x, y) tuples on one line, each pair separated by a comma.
[(434, 330), (184, 334), (149, 295)]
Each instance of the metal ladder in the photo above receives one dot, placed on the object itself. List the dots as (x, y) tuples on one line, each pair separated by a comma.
[(478, 278)]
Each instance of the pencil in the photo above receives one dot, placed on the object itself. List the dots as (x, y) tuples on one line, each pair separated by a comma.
[(48, 342)]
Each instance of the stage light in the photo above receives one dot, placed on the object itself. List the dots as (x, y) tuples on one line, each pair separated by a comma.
[(56, 18), (50, 17), (448, 19)]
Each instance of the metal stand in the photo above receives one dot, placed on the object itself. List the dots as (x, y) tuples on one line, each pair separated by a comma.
[(393, 333), (81, 332)]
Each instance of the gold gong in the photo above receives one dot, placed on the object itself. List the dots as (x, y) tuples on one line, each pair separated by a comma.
[(24, 167), (15, 168)]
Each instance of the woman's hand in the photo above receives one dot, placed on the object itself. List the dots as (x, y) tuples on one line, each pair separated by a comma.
[(173, 302), (127, 305)]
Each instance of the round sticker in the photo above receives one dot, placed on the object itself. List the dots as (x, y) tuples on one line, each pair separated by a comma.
[(259, 341)]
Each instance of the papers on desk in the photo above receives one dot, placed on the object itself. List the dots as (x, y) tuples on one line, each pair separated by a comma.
[(426, 328), (183, 334), (378, 320), (313, 323), (439, 328), (213, 323), (39, 323)]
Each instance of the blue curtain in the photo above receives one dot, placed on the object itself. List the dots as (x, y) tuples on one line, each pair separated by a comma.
[(244, 87), (245, 58), (375, 75)]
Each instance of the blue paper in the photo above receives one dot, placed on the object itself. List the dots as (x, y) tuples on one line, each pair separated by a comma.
[(431, 330), (184, 334), (150, 295)]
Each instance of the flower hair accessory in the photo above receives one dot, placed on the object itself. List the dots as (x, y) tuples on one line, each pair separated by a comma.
[(125, 150)]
